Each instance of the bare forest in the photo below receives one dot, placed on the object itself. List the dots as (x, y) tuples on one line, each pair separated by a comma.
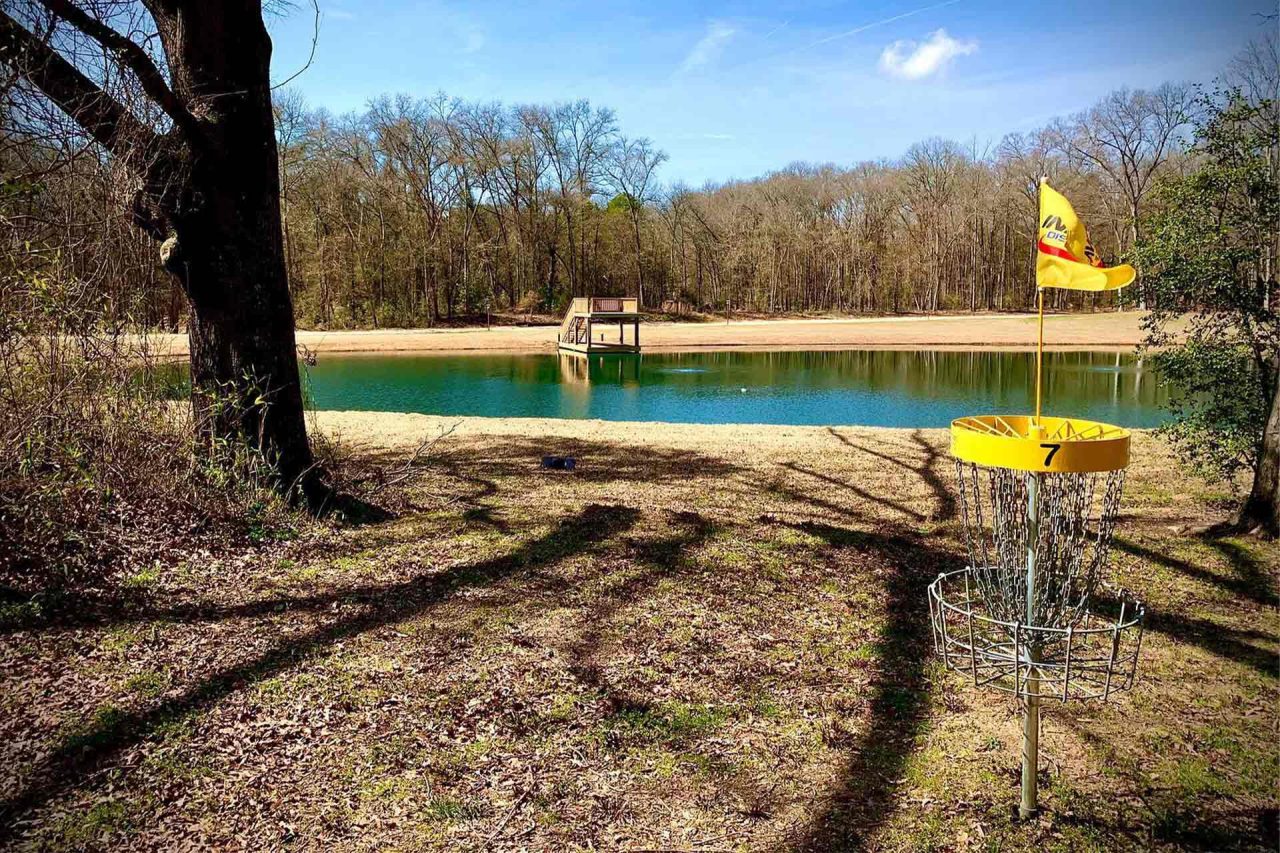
[(421, 211)]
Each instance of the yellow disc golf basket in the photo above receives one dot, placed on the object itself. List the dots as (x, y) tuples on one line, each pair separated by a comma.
[(1030, 615)]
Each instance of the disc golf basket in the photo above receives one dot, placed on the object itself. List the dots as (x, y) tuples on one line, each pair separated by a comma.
[(1039, 497)]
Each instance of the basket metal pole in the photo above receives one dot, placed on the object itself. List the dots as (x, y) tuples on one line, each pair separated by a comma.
[(1031, 713)]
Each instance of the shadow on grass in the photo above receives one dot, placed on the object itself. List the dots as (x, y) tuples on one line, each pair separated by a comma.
[(1254, 576), (598, 462), (862, 493), (355, 511), (944, 499), (1182, 822), (1251, 581), (866, 794), (662, 558), (471, 474), (1222, 640), (76, 761)]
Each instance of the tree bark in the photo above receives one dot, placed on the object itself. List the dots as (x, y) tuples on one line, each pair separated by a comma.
[(229, 248), (635, 230), (209, 187), (1262, 509)]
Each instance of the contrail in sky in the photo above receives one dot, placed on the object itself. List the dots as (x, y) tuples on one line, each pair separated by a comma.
[(847, 33), (881, 23), (769, 34)]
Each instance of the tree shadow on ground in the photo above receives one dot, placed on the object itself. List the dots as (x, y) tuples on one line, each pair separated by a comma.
[(862, 493), (70, 765), (864, 798), (944, 498), (1188, 825), (1256, 578), (470, 475), (1225, 641), (37, 595), (596, 462), (354, 510), (849, 815), (661, 559), (1251, 581)]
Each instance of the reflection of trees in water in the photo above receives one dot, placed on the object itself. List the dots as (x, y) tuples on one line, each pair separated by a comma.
[(1069, 376), (1086, 384)]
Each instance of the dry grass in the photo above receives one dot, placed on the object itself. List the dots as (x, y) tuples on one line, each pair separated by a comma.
[(101, 473), (696, 641)]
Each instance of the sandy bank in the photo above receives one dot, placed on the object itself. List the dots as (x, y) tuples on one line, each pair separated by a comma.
[(380, 430), (995, 331), (376, 431)]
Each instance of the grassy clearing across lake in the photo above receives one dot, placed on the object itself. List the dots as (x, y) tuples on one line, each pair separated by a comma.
[(704, 638)]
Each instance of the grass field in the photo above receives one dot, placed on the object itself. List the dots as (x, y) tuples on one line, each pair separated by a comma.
[(704, 638)]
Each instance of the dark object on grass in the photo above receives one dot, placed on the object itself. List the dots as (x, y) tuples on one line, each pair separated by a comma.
[(559, 463)]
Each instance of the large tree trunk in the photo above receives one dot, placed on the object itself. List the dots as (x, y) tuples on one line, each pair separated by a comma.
[(1262, 509), (226, 246), (209, 188)]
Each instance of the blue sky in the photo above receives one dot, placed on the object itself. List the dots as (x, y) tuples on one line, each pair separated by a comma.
[(737, 89)]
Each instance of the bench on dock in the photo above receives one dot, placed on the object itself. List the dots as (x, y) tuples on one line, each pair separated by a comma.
[(580, 332)]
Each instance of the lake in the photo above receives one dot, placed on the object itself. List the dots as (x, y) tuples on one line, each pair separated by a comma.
[(867, 387)]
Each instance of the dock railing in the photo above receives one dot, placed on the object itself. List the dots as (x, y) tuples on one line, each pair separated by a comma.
[(585, 306)]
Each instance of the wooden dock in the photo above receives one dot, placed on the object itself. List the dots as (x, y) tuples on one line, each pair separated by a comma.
[(588, 325)]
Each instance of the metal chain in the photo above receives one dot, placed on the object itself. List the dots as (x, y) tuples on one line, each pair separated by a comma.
[(1071, 548)]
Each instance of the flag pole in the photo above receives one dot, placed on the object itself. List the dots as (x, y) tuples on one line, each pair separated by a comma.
[(1039, 349), (1044, 179), (1030, 804)]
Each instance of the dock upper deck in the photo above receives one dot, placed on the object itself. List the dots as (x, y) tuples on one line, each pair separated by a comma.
[(604, 307), (577, 331)]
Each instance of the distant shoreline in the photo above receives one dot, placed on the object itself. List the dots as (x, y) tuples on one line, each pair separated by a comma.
[(1111, 331)]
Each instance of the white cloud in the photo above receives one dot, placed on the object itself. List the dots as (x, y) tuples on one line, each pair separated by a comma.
[(709, 47), (912, 60)]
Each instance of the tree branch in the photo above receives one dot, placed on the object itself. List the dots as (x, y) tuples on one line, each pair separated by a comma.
[(102, 117), (315, 39), (131, 55)]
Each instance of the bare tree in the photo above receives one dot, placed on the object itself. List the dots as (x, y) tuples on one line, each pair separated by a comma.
[(575, 137), (206, 187), (418, 208), (1129, 136), (630, 169)]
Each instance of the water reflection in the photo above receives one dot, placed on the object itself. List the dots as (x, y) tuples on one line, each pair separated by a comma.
[(873, 387)]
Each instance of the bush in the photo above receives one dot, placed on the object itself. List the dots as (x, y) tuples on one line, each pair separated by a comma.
[(100, 474), (529, 303)]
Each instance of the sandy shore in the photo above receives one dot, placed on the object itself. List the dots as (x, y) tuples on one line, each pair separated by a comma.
[(996, 331), (374, 431), (400, 432)]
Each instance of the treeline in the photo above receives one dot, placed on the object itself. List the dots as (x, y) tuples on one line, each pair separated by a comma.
[(419, 211)]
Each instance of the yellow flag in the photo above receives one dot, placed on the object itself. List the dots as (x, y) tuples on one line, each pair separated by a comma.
[(1065, 257)]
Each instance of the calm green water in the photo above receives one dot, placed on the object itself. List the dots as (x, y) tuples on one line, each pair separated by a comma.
[(868, 387)]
